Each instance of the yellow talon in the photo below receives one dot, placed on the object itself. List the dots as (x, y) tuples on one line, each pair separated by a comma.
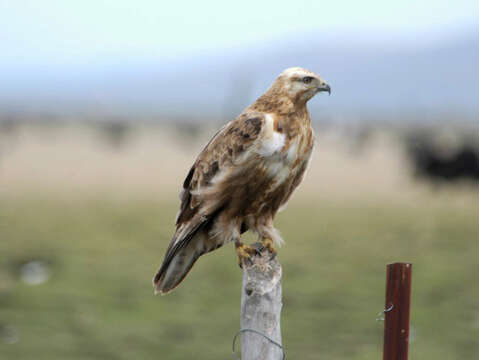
[(244, 253), (268, 245)]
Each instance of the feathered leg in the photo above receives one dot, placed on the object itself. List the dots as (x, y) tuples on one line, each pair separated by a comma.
[(268, 235)]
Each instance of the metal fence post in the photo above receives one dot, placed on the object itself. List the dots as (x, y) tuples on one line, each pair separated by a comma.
[(398, 299)]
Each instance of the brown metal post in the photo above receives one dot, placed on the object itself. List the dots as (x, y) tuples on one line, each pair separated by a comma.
[(398, 299)]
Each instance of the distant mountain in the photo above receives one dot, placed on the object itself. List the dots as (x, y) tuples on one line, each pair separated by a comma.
[(365, 77)]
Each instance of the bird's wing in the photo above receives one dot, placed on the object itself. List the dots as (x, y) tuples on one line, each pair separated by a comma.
[(223, 159), (226, 163), (231, 153)]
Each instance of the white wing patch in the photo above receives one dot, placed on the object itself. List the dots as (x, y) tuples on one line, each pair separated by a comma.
[(277, 164), (272, 140)]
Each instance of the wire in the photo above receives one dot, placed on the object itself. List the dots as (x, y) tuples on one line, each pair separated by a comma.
[(259, 333)]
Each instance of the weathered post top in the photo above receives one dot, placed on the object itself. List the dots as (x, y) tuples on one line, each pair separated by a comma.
[(261, 309)]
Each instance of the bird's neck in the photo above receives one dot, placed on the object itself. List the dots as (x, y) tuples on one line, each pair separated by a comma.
[(274, 101), (291, 116)]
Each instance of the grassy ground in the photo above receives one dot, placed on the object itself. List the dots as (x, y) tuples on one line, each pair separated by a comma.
[(102, 253)]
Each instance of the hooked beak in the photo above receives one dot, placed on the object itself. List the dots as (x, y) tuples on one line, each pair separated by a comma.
[(324, 87)]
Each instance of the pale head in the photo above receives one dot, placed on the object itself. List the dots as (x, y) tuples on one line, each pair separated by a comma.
[(301, 84)]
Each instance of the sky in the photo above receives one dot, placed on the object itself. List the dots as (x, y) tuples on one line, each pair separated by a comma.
[(62, 32), (115, 55)]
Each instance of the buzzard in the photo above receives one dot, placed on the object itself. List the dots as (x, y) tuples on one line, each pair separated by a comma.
[(243, 176)]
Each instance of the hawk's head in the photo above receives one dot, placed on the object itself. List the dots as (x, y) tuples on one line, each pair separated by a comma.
[(300, 84)]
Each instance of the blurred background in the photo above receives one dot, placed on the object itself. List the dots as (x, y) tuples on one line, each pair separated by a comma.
[(104, 106)]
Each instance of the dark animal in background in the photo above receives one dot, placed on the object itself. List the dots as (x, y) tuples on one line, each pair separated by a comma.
[(431, 161)]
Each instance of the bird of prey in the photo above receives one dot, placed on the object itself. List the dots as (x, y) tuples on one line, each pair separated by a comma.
[(243, 176)]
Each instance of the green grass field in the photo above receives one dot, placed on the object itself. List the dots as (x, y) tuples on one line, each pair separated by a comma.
[(99, 303)]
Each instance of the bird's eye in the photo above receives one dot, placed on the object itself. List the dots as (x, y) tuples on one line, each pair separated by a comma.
[(307, 79)]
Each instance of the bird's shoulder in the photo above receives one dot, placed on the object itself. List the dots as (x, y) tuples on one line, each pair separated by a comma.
[(231, 146)]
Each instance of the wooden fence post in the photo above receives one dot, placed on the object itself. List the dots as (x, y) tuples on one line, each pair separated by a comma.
[(398, 299), (261, 309)]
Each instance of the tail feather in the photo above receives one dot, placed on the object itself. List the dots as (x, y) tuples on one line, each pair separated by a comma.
[(190, 241), (178, 262)]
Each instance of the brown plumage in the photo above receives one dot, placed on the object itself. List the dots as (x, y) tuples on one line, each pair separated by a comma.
[(247, 171)]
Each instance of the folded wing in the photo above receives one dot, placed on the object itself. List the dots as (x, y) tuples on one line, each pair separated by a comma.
[(235, 150)]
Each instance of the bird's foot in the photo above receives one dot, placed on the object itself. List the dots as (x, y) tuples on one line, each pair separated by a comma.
[(245, 253), (266, 244)]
